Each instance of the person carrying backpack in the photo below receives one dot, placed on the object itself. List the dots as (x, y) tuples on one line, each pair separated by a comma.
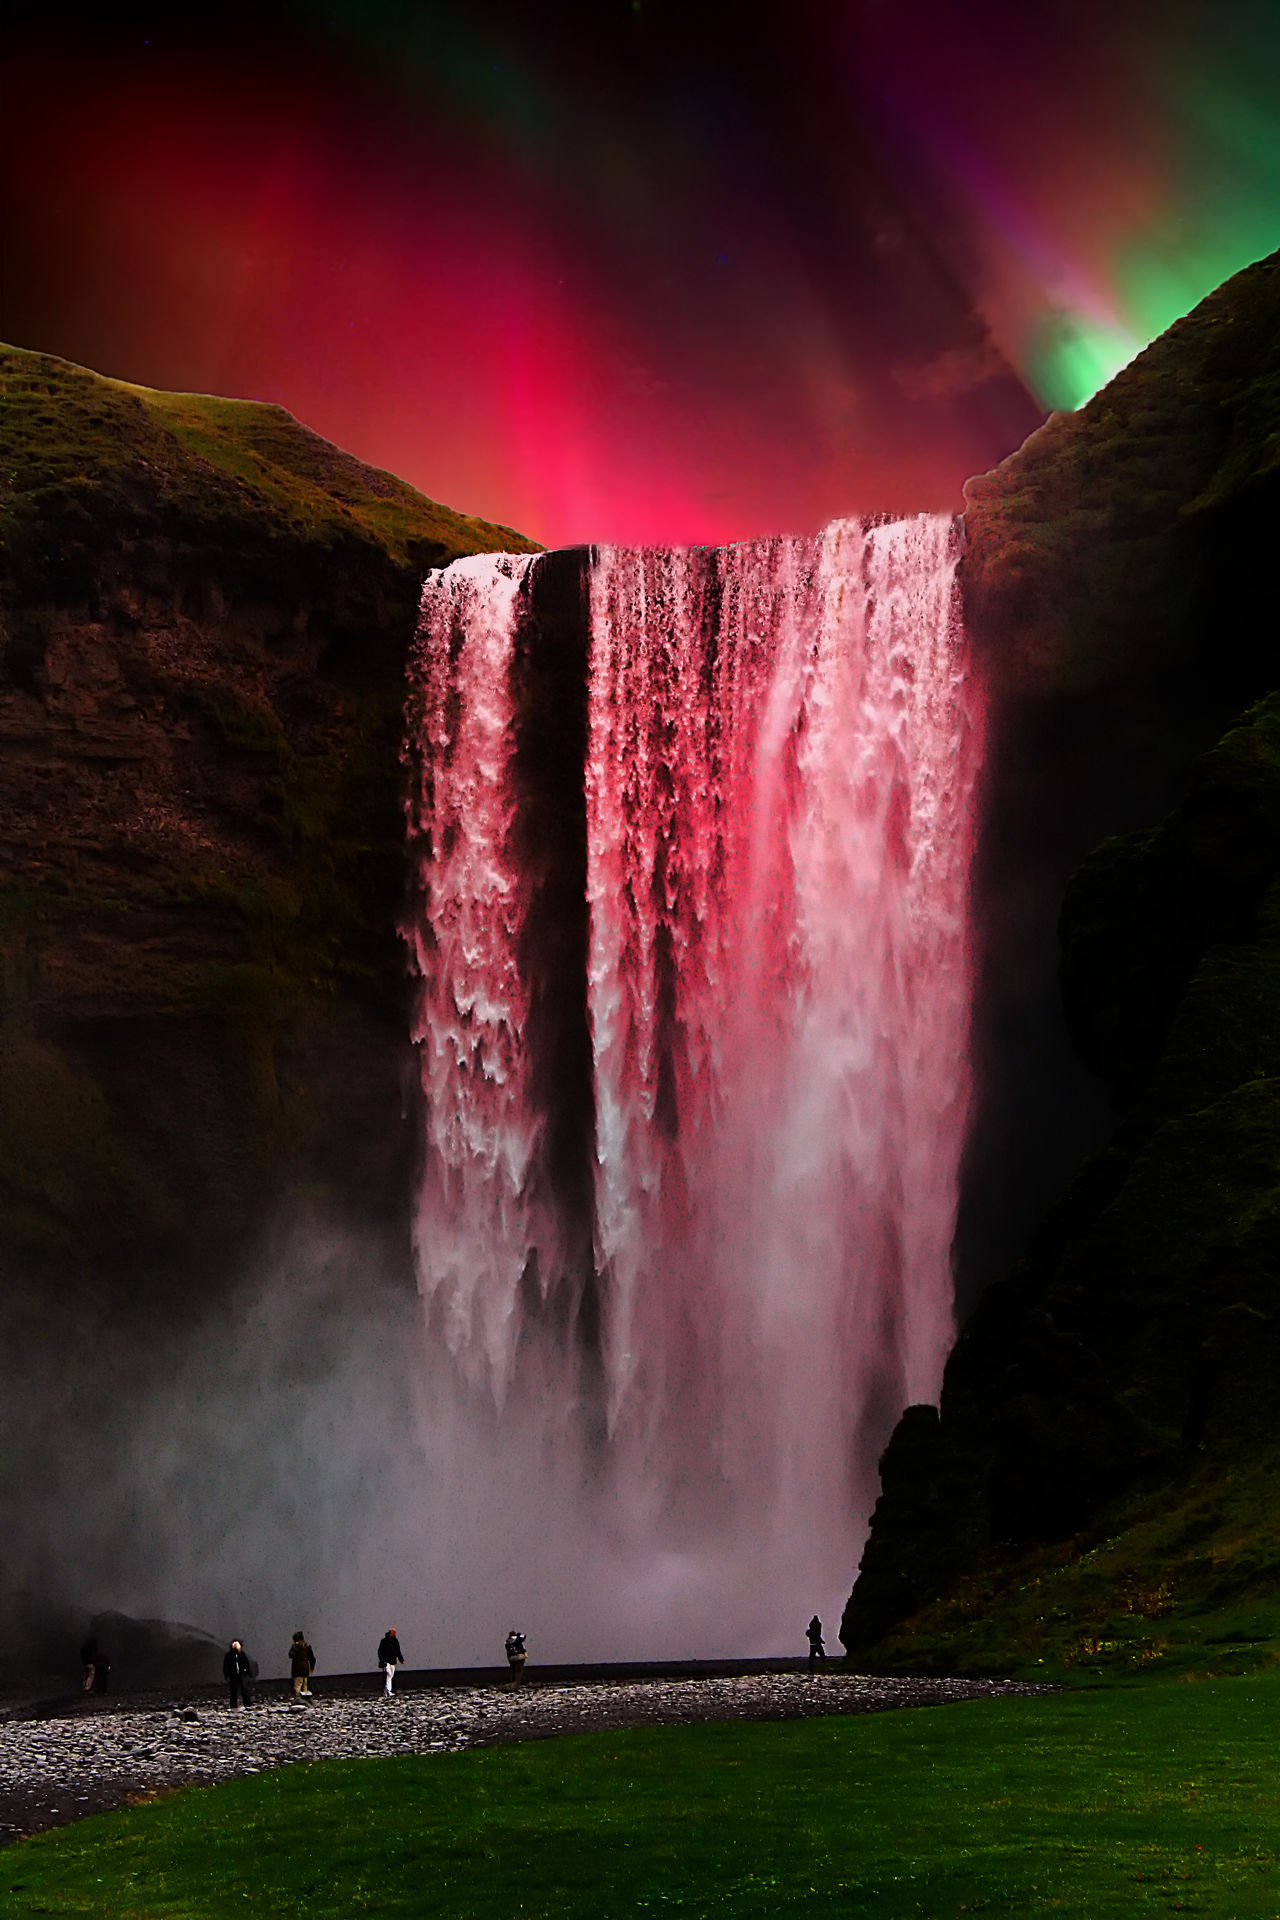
[(515, 1656)]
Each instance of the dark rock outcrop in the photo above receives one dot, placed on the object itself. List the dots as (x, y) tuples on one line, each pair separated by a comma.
[(155, 1653), (40, 1642)]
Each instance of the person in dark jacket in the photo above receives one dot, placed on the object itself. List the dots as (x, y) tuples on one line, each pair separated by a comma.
[(237, 1670), (813, 1632), (389, 1658), (95, 1668), (302, 1664), (515, 1656)]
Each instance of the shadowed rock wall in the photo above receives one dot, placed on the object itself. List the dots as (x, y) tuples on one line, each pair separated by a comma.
[(1118, 589), (1106, 1429)]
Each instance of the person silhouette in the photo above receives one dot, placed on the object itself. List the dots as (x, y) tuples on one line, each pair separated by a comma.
[(237, 1671), (302, 1664), (389, 1658), (817, 1652)]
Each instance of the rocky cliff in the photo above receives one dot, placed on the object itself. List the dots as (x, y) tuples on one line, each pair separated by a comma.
[(1099, 1486), (1119, 594), (204, 616)]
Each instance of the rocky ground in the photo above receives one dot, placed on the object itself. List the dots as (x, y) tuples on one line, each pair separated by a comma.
[(99, 1754)]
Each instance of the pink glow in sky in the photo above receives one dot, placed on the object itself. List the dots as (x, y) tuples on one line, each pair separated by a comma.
[(622, 275)]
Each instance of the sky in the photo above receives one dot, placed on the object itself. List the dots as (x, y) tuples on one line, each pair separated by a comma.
[(638, 270)]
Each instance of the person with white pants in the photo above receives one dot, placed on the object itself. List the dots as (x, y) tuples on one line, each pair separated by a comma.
[(389, 1658)]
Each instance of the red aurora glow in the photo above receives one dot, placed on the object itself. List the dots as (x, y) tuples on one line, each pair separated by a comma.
[(622, 273), (466, 342)]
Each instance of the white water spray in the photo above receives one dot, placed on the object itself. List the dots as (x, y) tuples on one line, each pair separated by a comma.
[(779, 766)]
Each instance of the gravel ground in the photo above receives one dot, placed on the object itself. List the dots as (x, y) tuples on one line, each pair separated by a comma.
[(94, 1757)]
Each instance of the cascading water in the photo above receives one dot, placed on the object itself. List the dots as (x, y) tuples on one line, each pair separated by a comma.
[(469, 1034), (772, 822)]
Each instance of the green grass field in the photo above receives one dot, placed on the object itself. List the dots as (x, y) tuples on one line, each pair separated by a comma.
[(1135, 1801)]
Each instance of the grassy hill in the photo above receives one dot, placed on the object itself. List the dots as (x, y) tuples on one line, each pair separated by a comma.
[(96, 472), (205, 612)]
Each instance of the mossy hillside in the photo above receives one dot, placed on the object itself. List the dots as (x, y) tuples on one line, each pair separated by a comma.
[(101, 476), (1120, 607), (117, 491), (1108, 1425), (1142, 912), (1105, 1419), (1182, 1586), (205, 612), (1121, 545)]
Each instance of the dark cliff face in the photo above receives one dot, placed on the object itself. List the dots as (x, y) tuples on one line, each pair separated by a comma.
[(1100, 1484), (1118, 592), (204, 617)]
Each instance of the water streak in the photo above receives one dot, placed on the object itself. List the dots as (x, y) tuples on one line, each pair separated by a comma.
[(473, 1228)]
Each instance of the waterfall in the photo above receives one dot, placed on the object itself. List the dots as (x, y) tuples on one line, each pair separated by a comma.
[(469, 1031), (718, 1314)]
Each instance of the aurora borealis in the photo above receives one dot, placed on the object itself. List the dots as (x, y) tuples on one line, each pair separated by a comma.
[(639, 271)]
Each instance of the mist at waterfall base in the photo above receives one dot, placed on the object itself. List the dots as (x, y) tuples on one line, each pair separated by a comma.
[(691, 832), (246, 1465)]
